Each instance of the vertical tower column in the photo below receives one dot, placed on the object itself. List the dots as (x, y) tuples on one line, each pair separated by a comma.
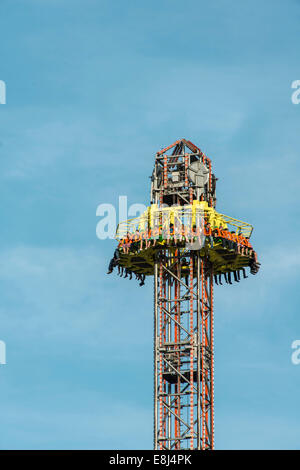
[(183, 351)]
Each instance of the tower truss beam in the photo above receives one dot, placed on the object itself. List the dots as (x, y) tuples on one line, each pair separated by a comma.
[(183, 351)]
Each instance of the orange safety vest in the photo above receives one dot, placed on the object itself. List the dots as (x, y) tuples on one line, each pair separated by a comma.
[(225, 234), (242, 240), (205, 232)]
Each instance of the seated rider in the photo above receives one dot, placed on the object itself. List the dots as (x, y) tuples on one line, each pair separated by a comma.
[(114, 261), (208, 234)]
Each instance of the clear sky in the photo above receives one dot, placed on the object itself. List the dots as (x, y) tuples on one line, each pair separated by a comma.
[(94, 89)]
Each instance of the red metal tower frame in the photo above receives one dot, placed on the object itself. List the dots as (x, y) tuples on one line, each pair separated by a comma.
[(183, 353), (183, 327)]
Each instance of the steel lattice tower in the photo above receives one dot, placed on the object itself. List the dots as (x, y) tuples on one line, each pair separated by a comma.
[(170, 242), (183, 317), (183, 354)]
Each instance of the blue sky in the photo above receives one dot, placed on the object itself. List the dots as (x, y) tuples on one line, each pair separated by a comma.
[(94, 89)]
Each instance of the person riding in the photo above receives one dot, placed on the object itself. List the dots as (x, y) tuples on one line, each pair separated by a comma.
[(114, 261), (208, 234)]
